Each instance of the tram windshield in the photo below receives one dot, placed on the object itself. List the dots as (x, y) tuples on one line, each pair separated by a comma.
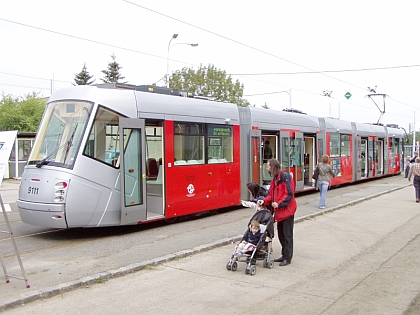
[(60, 133)]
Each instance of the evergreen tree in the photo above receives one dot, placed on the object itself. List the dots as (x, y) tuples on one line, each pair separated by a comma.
[(83, 77), (113, 75)]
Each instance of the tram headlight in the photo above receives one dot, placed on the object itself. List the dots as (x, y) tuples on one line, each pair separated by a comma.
[(59, 192), (59, 199)]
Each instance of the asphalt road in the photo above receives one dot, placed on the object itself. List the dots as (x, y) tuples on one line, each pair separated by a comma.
[(61, 260)]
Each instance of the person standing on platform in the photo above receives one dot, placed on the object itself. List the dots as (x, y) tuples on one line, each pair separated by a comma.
[(413, 160), (281, 196), (415, 170), (324, 179), (407, 166)]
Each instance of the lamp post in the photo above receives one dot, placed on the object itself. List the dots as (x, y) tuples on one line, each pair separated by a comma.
[(167, 56)]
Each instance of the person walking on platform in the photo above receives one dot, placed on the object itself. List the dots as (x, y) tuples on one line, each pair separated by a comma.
[(324, 179), (281, 196), (415, 170)]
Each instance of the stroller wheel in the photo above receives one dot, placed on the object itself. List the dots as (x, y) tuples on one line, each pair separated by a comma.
[(253, 270), (247, 270), (271, 264), (265, 263), (229, 266), (234, 266)]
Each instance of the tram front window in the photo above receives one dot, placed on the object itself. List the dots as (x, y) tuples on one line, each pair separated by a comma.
[(60, 133)]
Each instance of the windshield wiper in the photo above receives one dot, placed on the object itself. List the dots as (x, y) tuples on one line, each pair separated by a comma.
[(66, 145)]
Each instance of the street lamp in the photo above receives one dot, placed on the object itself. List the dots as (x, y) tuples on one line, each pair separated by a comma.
[(167, 56)]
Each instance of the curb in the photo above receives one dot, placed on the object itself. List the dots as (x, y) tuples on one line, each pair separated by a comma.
[(125, 270)]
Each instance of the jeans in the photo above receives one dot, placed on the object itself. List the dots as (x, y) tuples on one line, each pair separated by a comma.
[(416, 182), (323, 187)]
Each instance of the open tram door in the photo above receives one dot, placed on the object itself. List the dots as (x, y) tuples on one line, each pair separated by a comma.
[(297, 159), (256, 156), (359, 158), (291, 160), (132, 170)]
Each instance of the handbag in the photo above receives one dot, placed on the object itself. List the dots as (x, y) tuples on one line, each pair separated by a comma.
[(316, 173)]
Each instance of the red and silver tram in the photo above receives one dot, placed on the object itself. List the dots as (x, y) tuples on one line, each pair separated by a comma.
[(116, 154)]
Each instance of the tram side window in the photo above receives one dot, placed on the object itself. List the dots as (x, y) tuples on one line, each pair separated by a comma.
[(345, 145), (103, 142), (334, 145), (395, 142), (220, 144), (189, 143)]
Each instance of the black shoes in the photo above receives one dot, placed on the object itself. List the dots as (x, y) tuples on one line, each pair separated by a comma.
[(279, 259), (284, 262)]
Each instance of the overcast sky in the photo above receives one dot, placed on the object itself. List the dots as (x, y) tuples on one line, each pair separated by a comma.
[(269, 46)]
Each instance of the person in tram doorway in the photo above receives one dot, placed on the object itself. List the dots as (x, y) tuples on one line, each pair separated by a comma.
[(281, 196), (415, 170), (324, 179), (268, 153)]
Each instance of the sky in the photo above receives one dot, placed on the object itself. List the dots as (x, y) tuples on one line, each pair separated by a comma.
[(287, 54)]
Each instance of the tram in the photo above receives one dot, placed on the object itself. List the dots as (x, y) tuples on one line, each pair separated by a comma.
[(118, 154)]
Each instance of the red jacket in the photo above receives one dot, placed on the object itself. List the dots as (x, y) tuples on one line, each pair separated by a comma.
[(282, 191)]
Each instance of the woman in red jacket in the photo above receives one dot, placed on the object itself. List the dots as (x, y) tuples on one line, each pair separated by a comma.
[(281, 197)]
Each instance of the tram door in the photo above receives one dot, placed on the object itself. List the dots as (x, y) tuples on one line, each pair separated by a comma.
[(285, 151), (320, 147), (132, 170), (297, 160), (358, 159), (256, 156)]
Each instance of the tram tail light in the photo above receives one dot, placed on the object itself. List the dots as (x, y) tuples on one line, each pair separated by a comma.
[(60, 185)]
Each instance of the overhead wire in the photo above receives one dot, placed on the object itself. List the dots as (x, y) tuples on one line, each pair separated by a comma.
[(311, 71)]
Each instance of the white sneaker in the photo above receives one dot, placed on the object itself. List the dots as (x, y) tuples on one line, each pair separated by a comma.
[(321, 207)]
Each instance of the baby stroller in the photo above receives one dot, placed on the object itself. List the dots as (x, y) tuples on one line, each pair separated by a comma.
[(263, 249)]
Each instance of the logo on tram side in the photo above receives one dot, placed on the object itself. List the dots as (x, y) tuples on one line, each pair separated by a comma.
[(190, 189)]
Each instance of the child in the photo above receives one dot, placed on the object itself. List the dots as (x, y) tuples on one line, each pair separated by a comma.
[(407, 166), (258, 193), (249, 240)]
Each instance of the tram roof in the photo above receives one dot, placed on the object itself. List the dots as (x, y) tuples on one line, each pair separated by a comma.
[(277, 120), (140, 104), (160, 106)]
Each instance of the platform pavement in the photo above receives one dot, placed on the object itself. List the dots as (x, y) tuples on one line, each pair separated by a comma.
[(348, 260)]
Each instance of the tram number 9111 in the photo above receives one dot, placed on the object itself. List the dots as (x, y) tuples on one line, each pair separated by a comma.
[(33, 190)]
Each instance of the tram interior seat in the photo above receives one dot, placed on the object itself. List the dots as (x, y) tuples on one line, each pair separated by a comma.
[(152, 169), (193, 162), (222, 161), (180, 162), (158, 181), (213, 161)]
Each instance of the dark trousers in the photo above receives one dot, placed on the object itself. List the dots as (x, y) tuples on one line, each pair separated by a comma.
[(407, 170), (285, 234), (416, 182)]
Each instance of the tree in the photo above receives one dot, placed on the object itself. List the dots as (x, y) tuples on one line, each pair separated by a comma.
[(209, 82), (83, 77), (113, 75), (22, 114)]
